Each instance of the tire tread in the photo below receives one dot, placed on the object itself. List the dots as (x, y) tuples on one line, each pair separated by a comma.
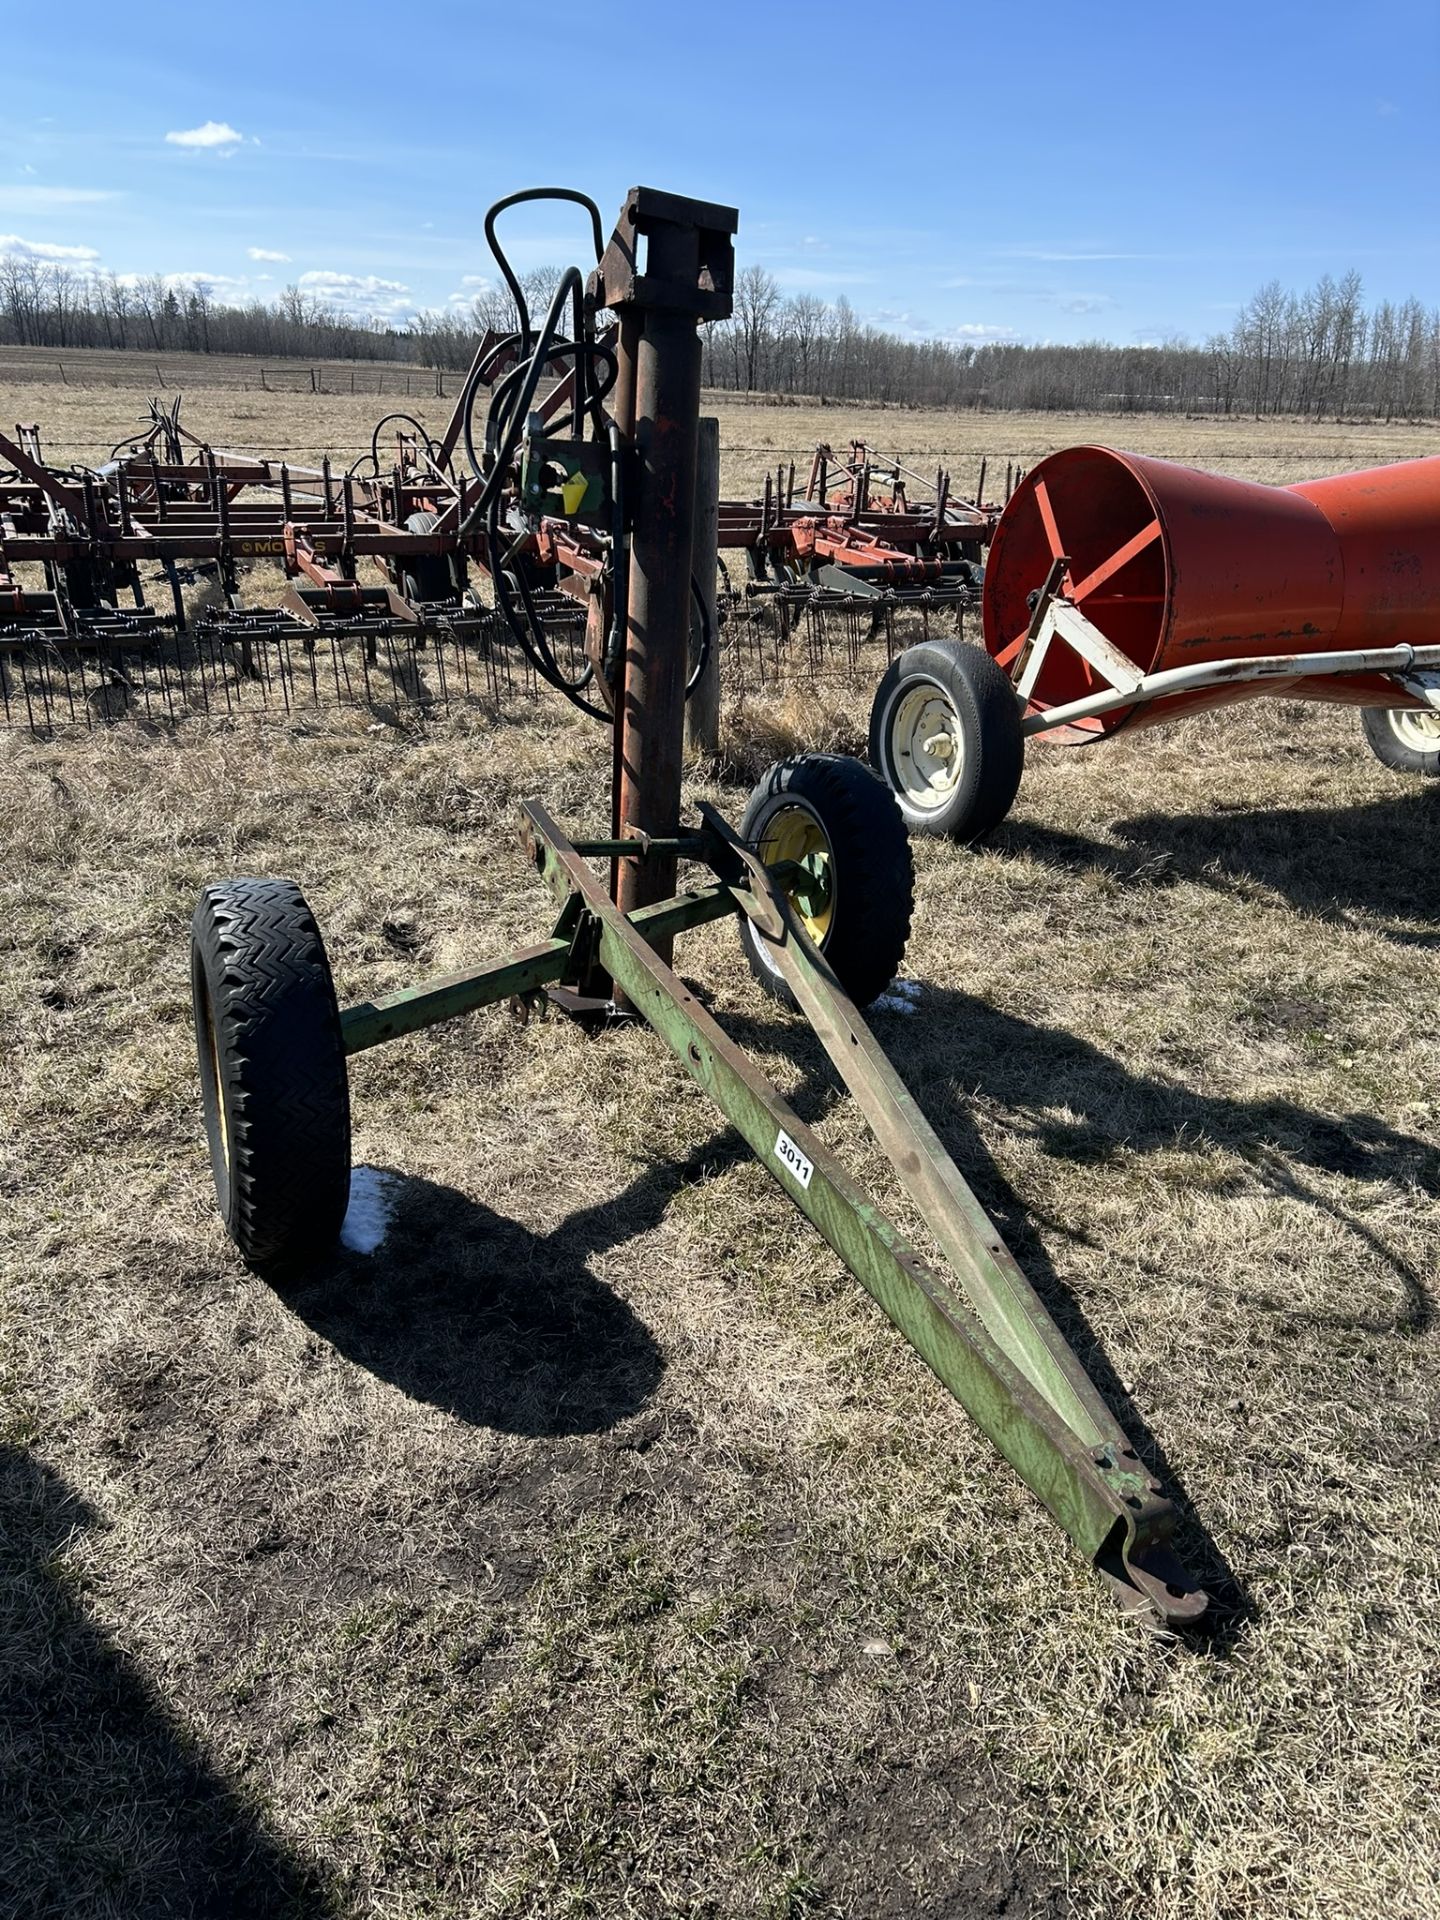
[(984, 700), (282, 1060), (874, 866)]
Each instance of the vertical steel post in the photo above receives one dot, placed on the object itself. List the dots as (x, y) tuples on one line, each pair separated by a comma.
[(669, 265), (657, 650), (622, 408)]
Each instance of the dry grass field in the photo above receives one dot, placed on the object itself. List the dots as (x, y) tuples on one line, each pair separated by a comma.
[(595, 1547)]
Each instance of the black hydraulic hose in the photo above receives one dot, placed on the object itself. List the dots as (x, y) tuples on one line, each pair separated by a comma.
[(432, 447), (500, 415), (544, 663), (530, 633), (514, 420), (525, 196), (595, 370), (706, 638), (507, 417)]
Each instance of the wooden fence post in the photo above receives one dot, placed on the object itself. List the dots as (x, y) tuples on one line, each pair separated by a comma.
[(702, 709)]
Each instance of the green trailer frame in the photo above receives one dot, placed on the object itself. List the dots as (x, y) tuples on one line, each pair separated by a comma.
[(983, 1330)]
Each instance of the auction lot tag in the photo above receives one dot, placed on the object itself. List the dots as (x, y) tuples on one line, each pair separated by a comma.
[(792, 1159)]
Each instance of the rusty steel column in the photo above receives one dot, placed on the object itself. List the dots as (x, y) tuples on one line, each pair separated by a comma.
[(657, 644), (622, 409), (670, 263)]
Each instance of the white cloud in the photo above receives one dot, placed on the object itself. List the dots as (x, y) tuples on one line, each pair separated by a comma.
[(219, 280), (1080, 302), (977, 333), (214, 133), (41, 199), (45, 249), (472, 285), (223, 284), (365, 296), (264, 253), (1039, 253), (366, 283)]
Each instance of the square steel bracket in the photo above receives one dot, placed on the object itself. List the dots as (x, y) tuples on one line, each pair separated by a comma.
[(669, 254)]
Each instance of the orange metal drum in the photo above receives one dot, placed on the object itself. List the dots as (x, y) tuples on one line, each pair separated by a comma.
[(1178, 567)]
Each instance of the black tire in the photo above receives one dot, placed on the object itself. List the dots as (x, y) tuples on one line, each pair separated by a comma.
[(425, 576), (867, 873), (966, 791), (272, 1071), (82, 585), (1394, 737)]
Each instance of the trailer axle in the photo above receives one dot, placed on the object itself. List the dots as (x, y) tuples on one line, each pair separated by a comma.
[(983, 1330)]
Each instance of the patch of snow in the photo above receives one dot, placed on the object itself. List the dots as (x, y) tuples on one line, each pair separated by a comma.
[(901, 996), (367, 1218)]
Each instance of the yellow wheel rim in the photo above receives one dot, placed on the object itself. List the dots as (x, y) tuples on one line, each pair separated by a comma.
[(219, 1085), (794, 834)]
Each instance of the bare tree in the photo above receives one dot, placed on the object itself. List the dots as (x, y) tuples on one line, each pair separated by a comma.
[(757, 297), (1317, 352)]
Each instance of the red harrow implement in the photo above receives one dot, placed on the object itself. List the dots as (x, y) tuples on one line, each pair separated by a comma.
[(404, 580)]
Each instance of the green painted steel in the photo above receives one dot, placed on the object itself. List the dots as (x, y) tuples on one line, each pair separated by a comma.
[(372, 1021), (1011, 1379), (407, 1011), (989, 1337), (993, 1282), (686, 910), (686, 846)]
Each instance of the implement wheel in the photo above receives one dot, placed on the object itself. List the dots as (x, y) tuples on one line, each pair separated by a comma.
[(945, 735), (272, 1071), (425, 576), (1404, 738), (837, 822)]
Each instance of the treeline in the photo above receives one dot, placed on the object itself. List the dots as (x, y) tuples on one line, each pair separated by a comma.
[(51, 305), (1322, 352), (44, 305)]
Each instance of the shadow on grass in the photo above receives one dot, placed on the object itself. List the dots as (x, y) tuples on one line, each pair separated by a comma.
[(500, 1326), (1376, 859), (506, 1328), (1031, 1071), (106, 1806)]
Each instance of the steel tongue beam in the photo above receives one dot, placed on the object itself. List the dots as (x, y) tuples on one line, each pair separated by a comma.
[(990, 1338)]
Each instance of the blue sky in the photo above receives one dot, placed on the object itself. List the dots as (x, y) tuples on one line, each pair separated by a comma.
[(1042, 171)]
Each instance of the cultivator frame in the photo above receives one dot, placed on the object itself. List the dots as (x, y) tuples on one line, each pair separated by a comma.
[(983, 1330), (860, 545), (856, 539)]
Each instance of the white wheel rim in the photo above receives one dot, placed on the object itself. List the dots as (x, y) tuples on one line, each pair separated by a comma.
[(926, 745), (1417, 728)]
